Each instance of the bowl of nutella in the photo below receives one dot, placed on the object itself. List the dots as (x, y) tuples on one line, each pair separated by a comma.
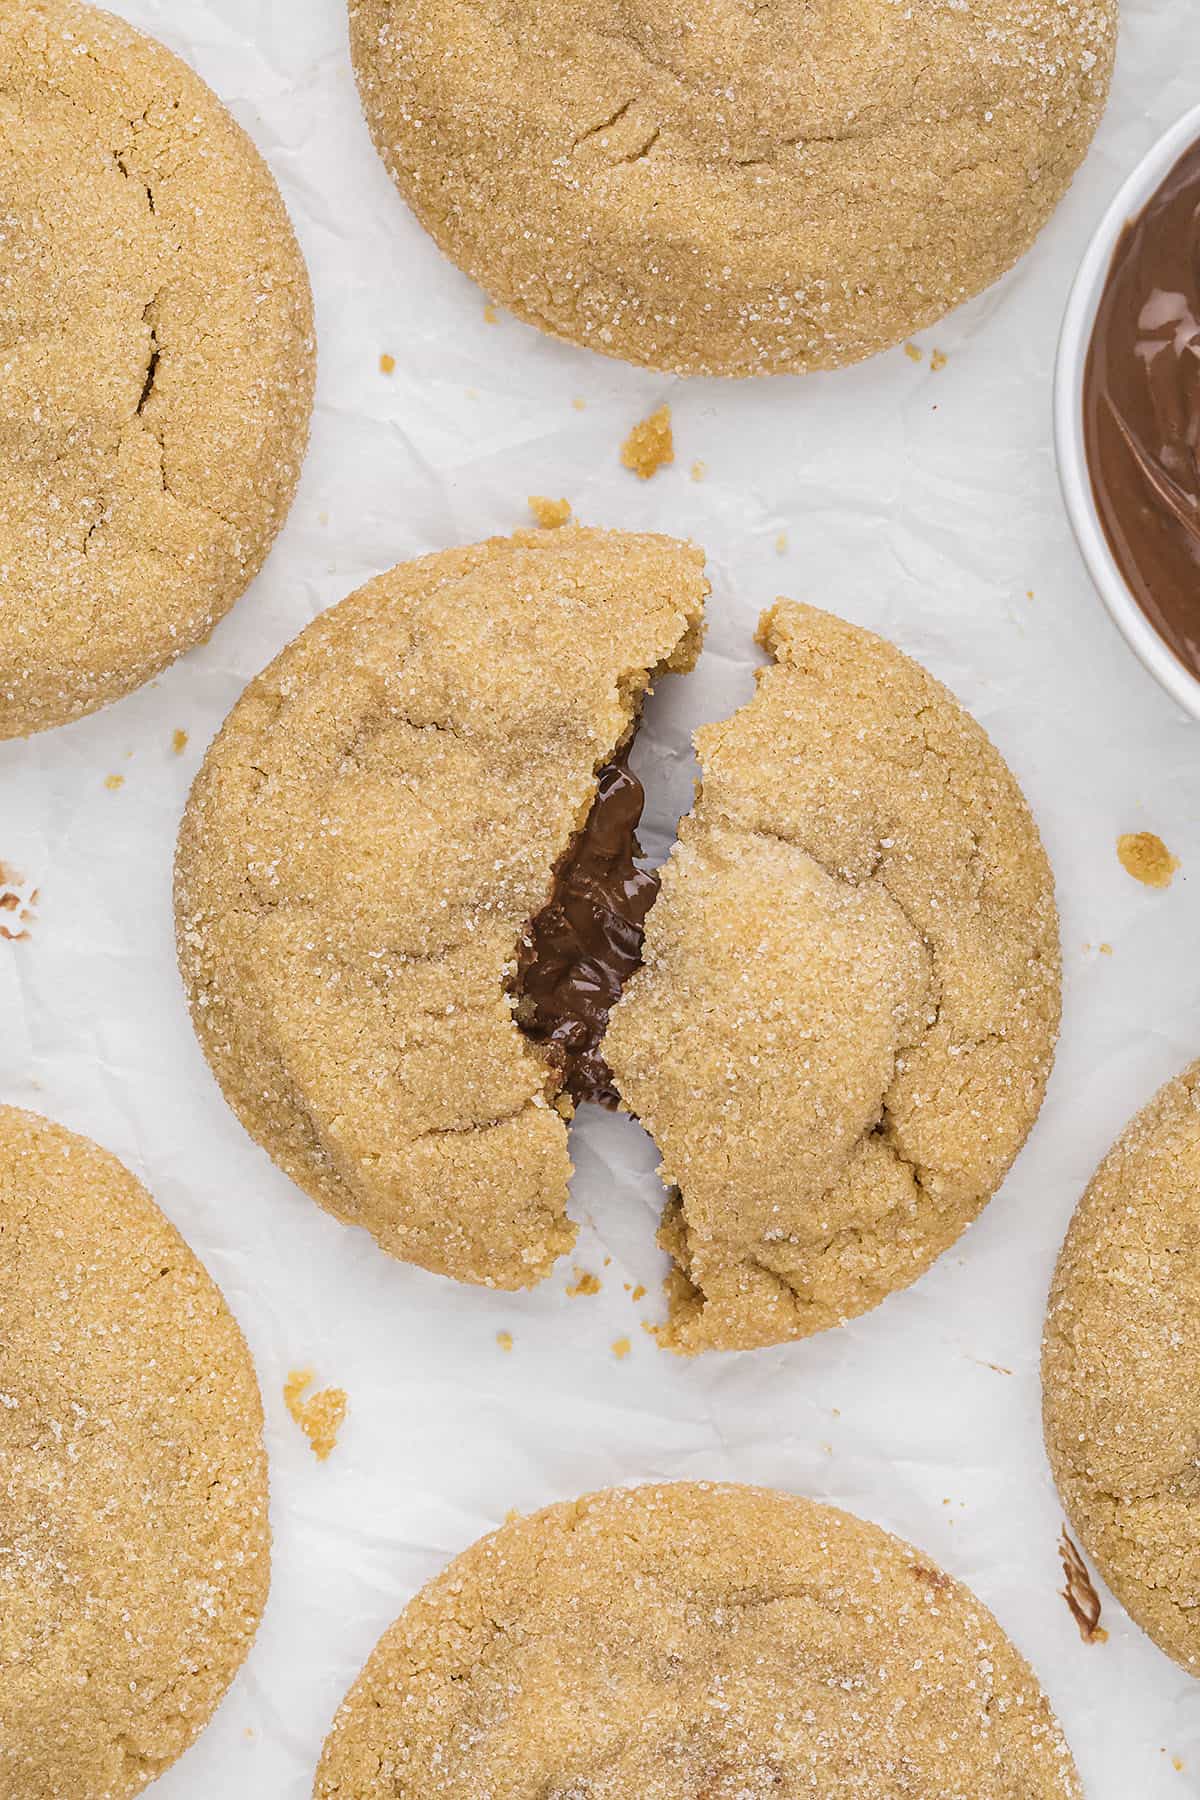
[(1127, 410)]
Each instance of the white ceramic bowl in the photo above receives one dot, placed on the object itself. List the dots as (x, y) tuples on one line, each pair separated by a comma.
[(1073, 471)]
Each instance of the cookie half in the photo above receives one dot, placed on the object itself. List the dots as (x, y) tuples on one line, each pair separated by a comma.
[(684, 1640), (732, 189), (372, 835), (135, 1548), (1121, 1369), (846, 1016), (156, 361)]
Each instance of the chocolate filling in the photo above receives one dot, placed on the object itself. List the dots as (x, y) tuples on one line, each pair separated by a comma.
[(586, 942), (1141, 408), (1083, 1602)]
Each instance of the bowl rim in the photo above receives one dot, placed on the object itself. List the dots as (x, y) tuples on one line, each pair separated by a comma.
[(1071, 452)]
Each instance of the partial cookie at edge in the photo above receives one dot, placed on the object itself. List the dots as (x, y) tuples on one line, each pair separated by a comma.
[(135, 1554), (156, 361), (726, 1640), (846, 1016), (374, 828), (1121, 1369), (733, 189)]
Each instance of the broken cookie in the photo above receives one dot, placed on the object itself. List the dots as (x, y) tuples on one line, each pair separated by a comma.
[(842, 1030), (369, 876)]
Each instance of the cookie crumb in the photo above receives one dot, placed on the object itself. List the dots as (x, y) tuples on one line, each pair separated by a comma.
[(1106, 950), (18, 904), (914, 353), (319, 1417), (699, 471), (579, 403), (781, 544), (387, 364), (1081, 1597), (639, 1292), (621, 1348), (650, 445), (584, 1283), (113, 782), (505, 1340), (490, 314), (179, 742), (938, 361), (1144, 856), (549, 513)]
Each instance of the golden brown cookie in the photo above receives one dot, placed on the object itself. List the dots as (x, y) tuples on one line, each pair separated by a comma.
[(843, 1027), (156, 361), (684, 1641), (1121, 1369), (734, 188), (370, 836), (134, 1543)]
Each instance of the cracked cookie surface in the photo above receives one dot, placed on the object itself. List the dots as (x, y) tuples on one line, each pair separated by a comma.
[(688, 1640), (135, 1546), (1121, 1369), (373, 831), (156, 361), (846, 1014), (739, 188)]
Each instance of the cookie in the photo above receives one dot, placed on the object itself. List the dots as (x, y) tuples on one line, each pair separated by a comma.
[(1121, 1366), (690, 1640), (733, 189), (846, 1015), (369, 886), (156, 361), (134, 1555)]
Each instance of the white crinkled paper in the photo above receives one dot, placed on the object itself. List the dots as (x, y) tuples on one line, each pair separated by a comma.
[(922, 503)]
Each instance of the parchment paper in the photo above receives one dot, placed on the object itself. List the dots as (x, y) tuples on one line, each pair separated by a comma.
[(921, 503)]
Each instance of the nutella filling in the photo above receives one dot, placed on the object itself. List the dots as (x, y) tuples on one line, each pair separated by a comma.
[(586, 942), (1141, 408)]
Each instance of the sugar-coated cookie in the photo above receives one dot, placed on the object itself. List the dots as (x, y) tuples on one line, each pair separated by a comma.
[(134, 1542), (156, 361), (694, 1642), (733, 188), (845, 1019), (372, 835), (1121, 1369)]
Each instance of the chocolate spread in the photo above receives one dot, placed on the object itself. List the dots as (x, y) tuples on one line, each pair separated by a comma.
[(1141, 408), (586, 942)]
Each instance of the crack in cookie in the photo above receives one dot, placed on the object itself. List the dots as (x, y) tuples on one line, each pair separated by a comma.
[(846, 1014)]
